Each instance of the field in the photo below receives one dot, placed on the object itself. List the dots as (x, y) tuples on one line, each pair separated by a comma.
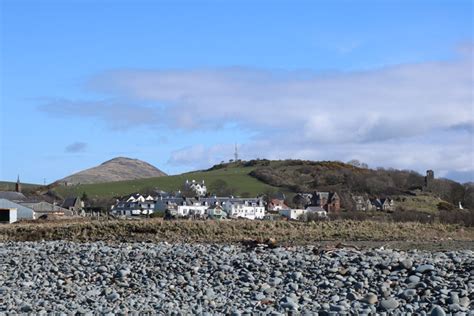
[(287, 233), (237, 178)]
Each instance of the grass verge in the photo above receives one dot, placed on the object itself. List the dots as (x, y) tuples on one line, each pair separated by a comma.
[(233, 231)]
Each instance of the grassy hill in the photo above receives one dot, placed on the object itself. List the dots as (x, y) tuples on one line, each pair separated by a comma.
[(10, 186), (237, 177)]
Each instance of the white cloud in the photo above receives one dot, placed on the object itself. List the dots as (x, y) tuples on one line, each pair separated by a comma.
[(387, 116)]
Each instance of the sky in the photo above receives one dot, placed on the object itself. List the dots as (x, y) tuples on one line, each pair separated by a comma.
[(179, 83)]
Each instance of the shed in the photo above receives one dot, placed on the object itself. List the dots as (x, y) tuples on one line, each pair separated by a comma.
[(11, 212), (44, 208)]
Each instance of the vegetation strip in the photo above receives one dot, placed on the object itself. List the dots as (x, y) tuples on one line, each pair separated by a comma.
[(233, 231)]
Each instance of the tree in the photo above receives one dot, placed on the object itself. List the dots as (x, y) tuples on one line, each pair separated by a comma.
[(221, 188)]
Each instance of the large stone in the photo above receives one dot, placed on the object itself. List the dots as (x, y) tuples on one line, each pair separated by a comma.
[(370, 298), (437, 311), (389, 304), (424, 268)]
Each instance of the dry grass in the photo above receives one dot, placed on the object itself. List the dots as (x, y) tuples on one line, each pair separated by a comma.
[(233, 231)]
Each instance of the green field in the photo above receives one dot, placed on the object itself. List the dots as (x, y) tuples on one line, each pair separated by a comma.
[(237, 178)]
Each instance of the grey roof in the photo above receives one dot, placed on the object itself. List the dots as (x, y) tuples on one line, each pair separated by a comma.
[(315, 209), (12, 196), (323, 195), (69, 202), (43, 207)]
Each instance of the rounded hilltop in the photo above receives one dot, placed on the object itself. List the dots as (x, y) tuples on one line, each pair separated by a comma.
[(116, 169)]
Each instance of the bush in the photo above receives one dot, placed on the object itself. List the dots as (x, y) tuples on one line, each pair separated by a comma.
[(462, 217), (445, 206), (157, 215), (411, 216)]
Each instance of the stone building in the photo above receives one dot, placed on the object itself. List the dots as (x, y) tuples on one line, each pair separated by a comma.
[(429, 181)]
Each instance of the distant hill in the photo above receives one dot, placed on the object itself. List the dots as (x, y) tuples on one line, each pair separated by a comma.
[(117, 169)]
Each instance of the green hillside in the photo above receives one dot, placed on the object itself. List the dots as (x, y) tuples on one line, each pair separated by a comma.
[(237, 178), (10, 186)]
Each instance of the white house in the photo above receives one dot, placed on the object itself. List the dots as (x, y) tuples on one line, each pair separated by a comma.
[(277, 205), (11, 212), (192, 208), (245, 208), (199, 188), (319, 211), (294, 214)]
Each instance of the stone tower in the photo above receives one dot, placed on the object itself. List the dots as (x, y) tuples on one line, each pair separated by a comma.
[(429, 180), (18, 185)]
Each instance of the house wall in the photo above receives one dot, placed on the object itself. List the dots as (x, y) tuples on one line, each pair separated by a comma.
[(293, 213), (246, 211), (22, 212), (185, 210)]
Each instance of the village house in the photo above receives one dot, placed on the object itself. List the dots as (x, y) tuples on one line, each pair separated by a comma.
[(245, 208), (73, 204), (302, 199), (329, 201), (385, 204), (199, 188), (317, 211), (216, 212), (191, 207), (361, 203), (293, 214), (373, 204), (276, 205)]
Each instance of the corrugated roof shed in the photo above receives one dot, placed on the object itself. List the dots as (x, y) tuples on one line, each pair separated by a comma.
[(12, 196), (23, 212)]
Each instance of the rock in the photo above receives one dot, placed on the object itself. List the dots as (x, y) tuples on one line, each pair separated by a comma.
[(413, 279), (353, 296), (437, 311), (407, 264), (389, 304), (464, 301), (112, 297), (215, 279), (424, 268), (409, 294), (370, 298), (26, 308), (337, 308)]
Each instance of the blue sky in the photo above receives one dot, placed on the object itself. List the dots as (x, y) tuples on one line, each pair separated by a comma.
[(178, 83)]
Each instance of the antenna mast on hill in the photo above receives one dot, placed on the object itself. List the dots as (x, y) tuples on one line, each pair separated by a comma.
[(236, 153)]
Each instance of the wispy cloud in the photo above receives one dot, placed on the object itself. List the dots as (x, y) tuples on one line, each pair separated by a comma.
[(76, 147), (117, 114)]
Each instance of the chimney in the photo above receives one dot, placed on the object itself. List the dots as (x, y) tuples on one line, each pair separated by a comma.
[(18, 185)]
